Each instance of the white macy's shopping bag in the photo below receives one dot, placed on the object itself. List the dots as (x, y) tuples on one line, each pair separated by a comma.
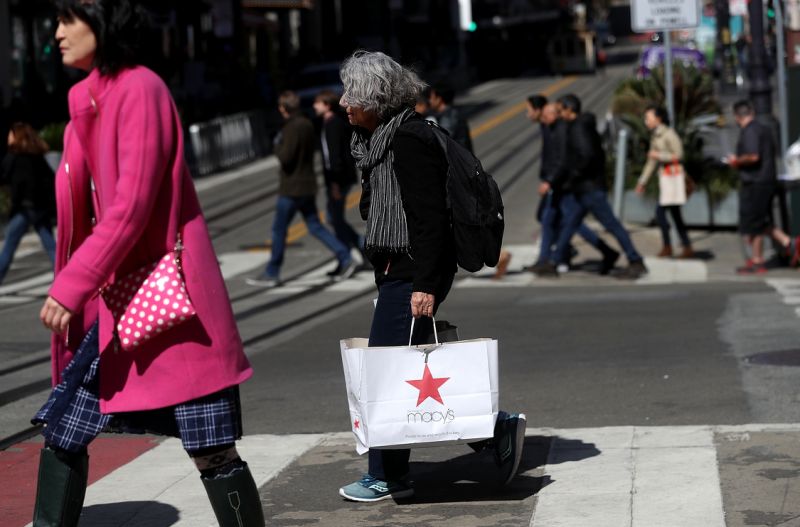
[(423, 395)]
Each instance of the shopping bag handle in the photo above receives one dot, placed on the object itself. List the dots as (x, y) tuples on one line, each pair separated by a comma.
[(435, 334)]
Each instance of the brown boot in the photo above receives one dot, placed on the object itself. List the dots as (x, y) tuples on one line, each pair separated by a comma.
[(686, 253), (666, 252)]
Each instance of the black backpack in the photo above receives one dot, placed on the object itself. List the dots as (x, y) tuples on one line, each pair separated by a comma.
[(475, 204)]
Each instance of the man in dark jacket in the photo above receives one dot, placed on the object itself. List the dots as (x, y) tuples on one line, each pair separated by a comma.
[(294, 148), (581, 181), (755, 161), (339, 169), (554, 144), (449, 117)]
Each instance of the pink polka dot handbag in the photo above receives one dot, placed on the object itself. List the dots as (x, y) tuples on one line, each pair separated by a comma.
[(149, 301)]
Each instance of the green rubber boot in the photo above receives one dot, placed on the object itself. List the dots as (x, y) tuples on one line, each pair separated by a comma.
[(235, 499), (60, 489)]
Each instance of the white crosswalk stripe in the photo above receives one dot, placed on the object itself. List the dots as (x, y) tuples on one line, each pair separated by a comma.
[(660, 271), (789, 289), (638, 476), (241, 263)]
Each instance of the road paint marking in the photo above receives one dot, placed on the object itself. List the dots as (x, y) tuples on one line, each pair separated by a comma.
[(669, 271), (789, 289), (661, 271), (239, 262), (44, 279), (637, 476), (223, 178)]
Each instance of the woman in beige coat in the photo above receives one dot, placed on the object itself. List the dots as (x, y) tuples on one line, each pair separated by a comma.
[(666, 153)]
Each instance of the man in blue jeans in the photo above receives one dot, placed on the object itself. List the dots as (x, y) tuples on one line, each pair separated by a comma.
[(553, 132), (294, 148), (581, 180), (339, 170)]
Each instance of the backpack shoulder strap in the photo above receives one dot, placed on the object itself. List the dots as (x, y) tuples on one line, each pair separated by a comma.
[(440, 134)]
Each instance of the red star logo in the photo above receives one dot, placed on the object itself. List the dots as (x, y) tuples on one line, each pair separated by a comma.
[(429, 386), (356, 423)]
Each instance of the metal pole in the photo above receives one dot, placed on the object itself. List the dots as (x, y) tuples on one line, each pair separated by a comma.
[(723, 54), (5, 56), (760, 89), (668, 81), (783, 101), (619, 172)]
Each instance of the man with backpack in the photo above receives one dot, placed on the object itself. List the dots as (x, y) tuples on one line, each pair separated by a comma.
[(582, 182)]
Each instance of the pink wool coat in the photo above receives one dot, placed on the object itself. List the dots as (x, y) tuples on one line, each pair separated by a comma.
[(125, 131)]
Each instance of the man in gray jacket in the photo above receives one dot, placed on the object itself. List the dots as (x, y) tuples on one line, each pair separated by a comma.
[(294, 148)]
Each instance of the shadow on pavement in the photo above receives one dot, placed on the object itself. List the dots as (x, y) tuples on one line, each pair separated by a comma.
[(453, 487), (150, 513), (471, 477)]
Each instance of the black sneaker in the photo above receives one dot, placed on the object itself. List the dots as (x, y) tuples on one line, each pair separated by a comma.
[(634, 271), (610, 257), (346, 272), (545, 270), (509, 439), (335, 271)]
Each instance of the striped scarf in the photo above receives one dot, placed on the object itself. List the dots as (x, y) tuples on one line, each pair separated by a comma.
[(387, 228)]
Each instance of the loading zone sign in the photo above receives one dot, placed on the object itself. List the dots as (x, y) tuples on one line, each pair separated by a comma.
[(660, 15)]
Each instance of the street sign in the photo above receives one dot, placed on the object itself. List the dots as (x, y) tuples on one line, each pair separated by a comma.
[(737, 7), (663, 15)]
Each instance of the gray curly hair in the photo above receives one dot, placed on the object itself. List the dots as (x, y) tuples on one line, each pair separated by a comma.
[(373, 81)]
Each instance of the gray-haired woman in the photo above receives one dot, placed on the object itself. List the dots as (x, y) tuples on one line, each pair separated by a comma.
[(408, 239)]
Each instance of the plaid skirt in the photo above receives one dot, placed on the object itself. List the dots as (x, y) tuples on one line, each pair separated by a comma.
[(72, 417)]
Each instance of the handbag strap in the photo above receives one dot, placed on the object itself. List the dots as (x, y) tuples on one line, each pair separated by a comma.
[(178, 247), (435, 334)]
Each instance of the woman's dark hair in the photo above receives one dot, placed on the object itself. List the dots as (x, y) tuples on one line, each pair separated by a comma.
[(26, 140), (659, 112), (118, 26)]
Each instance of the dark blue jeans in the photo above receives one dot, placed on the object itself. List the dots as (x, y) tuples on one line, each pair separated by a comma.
[(285, 210), (663, 224), (16, 229), (344, 231), (574, 208), (552, 224), (391, 326)]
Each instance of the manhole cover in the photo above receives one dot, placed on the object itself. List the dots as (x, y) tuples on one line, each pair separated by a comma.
[(775, 358)]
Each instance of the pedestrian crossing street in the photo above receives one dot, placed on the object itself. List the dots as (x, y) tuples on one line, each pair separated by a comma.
[(664, 476)]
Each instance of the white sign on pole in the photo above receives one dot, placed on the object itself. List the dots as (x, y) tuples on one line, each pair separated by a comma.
[(737, 7), (662, 15)]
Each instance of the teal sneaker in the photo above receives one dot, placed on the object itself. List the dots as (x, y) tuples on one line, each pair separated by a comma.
[(369, 489), (509, 438)]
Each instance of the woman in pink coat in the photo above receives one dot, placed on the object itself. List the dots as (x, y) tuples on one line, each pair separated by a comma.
[(125, 199)]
